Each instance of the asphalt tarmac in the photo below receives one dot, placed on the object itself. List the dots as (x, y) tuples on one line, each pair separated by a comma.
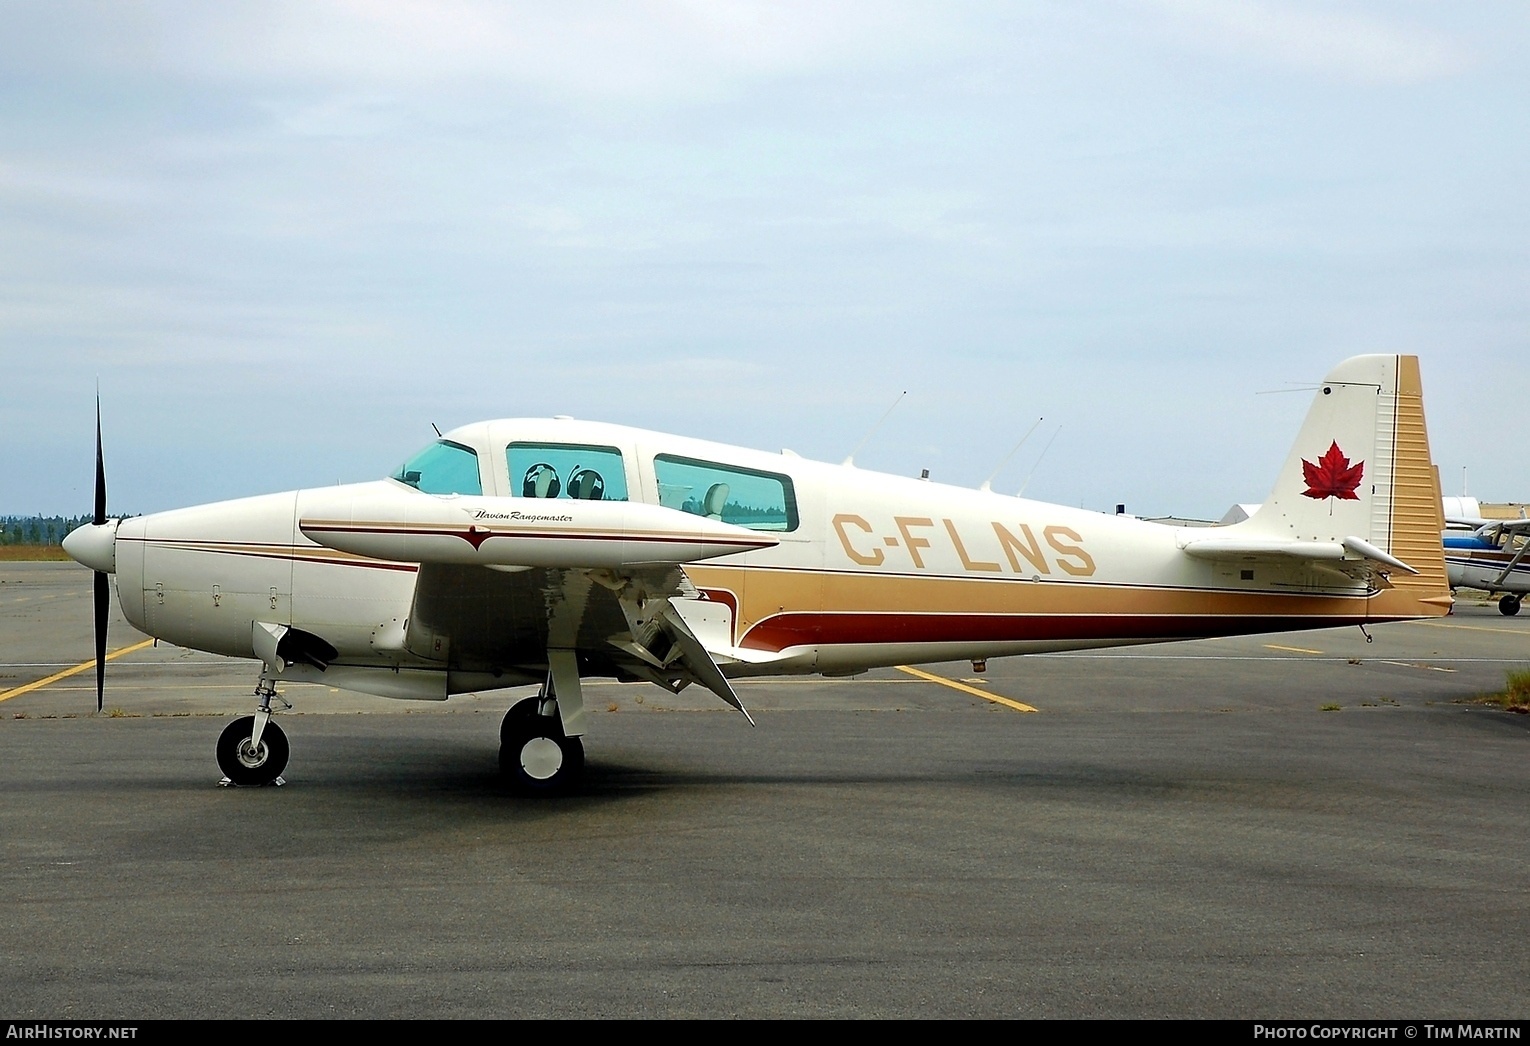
[(1296, 826)]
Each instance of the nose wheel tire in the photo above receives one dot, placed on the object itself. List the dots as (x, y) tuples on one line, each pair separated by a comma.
[(538, 760), (1508, 606), (246, 764)]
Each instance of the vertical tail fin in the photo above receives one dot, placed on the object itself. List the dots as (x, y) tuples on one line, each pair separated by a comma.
[(1361, 468)]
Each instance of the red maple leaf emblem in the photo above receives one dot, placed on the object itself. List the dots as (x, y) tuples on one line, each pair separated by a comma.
[(1333, 476)]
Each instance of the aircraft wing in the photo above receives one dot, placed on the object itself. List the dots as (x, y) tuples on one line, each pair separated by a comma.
[(1352, 557), (1503, 526), (630, 624), (389, 521), (505, 585), (1513, 526)]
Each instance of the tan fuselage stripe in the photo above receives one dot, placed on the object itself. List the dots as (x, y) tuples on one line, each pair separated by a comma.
[(964, 688), (66, 673)]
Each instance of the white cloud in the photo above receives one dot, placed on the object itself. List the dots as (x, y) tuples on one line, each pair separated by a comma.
[(1346, 45), (597, 49), (27, 183)]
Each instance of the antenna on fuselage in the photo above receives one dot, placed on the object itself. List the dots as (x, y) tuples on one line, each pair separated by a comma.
[(988, 483), (1028, 475), (849, 462), (437, 428)]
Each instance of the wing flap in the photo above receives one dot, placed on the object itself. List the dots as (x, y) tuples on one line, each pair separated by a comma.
[(699, 662)]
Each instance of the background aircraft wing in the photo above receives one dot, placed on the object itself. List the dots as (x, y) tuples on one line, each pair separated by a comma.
[(1484, 525)]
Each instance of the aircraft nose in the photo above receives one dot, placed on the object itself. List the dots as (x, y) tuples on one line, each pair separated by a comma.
[(94, 545)]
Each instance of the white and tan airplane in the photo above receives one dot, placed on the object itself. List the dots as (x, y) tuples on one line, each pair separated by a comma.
[(545, 551)]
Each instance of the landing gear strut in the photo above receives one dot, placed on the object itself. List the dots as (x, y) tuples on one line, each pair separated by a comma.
[(252, 750)]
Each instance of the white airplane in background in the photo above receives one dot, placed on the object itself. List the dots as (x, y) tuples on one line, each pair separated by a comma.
[(1487, 554), (546, 551)]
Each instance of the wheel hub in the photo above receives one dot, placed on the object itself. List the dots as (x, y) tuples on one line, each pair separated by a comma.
[(541, 758), (251, 756)]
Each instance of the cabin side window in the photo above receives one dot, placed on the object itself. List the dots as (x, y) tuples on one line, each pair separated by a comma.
[(744, 497), (566, 470), (443, 467)]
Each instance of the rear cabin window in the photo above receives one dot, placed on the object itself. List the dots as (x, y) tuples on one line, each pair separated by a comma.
[(743, 497), (566, 470), (443, 467)]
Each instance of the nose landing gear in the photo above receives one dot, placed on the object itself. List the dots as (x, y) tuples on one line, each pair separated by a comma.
[(245, 761), (252, 750)]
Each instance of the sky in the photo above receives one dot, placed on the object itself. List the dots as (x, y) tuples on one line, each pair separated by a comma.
[(283, 239)]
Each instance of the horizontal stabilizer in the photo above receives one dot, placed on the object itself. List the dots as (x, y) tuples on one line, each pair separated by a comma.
[(1253, 547)]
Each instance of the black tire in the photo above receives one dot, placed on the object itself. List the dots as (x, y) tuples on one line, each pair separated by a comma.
[(539, 763), (1508, 606), (523, 716), (245, 767)]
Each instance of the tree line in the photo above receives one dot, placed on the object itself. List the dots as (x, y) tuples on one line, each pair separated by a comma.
[(37, 530)]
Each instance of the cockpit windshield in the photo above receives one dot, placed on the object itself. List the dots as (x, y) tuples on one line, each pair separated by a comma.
[(443, 467)]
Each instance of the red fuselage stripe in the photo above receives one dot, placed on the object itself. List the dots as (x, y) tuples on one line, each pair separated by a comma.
[(801, 629)]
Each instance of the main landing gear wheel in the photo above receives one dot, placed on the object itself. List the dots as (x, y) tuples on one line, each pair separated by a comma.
[(521, 715), (244, 763), (534, 755), (1508, 606)]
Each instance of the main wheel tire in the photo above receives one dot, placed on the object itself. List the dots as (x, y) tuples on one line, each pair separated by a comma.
[(523, 716), (536, 763), (1508, 606), (244, 764)]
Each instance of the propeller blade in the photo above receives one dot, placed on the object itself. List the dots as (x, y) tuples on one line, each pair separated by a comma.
[(102, 591), (103, 603), (100, 516)]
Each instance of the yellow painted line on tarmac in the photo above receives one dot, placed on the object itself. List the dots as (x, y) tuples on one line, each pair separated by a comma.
[(66, 673), (1291, 649), (1474, 628), (964, 688), (157, 688)]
